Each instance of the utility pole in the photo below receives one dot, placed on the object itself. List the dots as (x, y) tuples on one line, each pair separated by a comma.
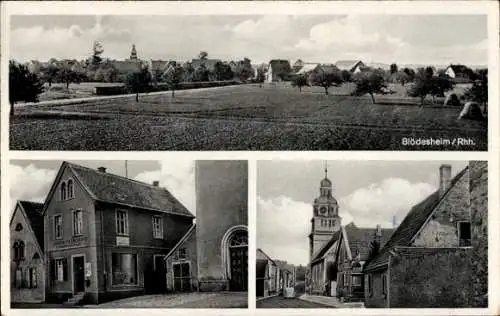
[(126, 169)]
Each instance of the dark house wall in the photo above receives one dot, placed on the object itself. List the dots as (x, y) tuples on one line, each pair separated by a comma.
[(375, 297), (436, 278)]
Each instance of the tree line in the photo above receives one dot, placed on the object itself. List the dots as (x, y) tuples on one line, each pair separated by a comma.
[(375, 81)]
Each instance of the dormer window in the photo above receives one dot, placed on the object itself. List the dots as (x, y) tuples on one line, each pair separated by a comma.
[(63, 191), (70, 193)]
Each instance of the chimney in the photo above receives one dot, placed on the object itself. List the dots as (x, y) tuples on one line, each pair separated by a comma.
[(394, 222), (156, 183), (101, 169), (379, 231), (444, 179)]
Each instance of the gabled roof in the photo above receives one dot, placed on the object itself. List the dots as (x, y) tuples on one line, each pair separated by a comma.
[(412, 223), (190, 231), (264, 256), (460, 69), (111, 188), (280, 65), (323, 250), (34, 217), (349, 65), (360, 238), (307, 68)]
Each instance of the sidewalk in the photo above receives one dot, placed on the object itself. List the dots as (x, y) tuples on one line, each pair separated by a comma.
[(330, 301)]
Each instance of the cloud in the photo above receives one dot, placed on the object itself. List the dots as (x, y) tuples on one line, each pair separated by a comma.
[(40, 181), (177, 176), (379, 202)]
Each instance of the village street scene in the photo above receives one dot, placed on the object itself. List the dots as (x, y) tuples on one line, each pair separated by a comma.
[(128, 234), (248, 82), (372, 234)]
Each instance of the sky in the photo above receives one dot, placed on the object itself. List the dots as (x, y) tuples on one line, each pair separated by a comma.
[(368, 193), (404, 39), (175, 175)]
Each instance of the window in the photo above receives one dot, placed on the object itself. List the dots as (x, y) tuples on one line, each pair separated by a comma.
[(124, 268), (464, 233), (58, 226), (18, 280), (18, 248), (182, 253), (63, 191), (70, 189), (157, 227), (121, 223), (384, 284), (36, 256), (77, 222), (19, 227), (60, 268), (356, 280), (31, 278), (345, 279)]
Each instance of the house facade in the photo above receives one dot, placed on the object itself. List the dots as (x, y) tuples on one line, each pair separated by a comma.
[(459, 73), (353, 66), (106, 236), (267, 275), (221, 224), (428, 261), (278, 70), (27, 273)]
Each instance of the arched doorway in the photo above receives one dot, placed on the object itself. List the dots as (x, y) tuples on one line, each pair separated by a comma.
[(235, 254)]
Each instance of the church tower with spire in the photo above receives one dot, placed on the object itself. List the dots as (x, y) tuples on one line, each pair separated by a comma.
[(325, 220), (133, 53)]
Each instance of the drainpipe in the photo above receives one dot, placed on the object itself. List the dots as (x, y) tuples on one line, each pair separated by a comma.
[(387, 282), (105, 273)]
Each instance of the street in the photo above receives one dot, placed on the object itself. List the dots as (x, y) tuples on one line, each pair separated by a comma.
[(280, 302)]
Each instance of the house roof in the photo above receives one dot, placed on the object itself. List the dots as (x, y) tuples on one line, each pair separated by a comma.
[(280, 65), (307, 67), (329, 68), (460, 69), (34, 214), (111, 188), (349, 65), (208, 63), (360, 238), (190, 231), (323, 250), (411, 224), (261, 255)]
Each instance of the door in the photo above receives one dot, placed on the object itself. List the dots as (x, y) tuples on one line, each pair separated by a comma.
[(239, 268), (78, 274), (182, 277), (160, 275)]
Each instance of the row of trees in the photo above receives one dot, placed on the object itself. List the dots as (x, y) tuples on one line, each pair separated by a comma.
[(374, 81)]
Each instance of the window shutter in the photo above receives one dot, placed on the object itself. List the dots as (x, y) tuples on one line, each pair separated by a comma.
[(65, 269)]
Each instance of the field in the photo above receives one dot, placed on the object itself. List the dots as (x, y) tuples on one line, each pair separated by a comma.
[(58, 91), (274, 117)]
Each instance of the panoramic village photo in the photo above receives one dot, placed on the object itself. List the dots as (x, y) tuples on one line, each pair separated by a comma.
[(248, 82), (373, 234), (128, 234)]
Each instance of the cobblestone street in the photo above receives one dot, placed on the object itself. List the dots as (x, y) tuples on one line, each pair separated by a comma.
[(280, 302)]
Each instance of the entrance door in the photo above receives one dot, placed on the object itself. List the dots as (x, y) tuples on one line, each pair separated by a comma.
[(78, 274), (182, 277), (160, 277), (238, 259)]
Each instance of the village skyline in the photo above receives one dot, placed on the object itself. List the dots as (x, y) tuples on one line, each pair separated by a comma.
[(323, 39), (362, 189)]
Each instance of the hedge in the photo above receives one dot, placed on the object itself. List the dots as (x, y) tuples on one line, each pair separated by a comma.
[(115, 90)]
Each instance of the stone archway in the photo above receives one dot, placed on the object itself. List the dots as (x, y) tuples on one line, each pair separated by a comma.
[(235, 257)]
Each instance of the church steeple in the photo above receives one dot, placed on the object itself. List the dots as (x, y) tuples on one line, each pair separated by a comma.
[(326, 220), (133, 53)]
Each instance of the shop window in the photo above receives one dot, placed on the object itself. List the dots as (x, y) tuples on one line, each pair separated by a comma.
[(61, 270), (124, 269), (77, 222)]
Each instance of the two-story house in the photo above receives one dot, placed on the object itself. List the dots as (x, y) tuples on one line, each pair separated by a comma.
[(26, 243), (106, 236), (429, 259)]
